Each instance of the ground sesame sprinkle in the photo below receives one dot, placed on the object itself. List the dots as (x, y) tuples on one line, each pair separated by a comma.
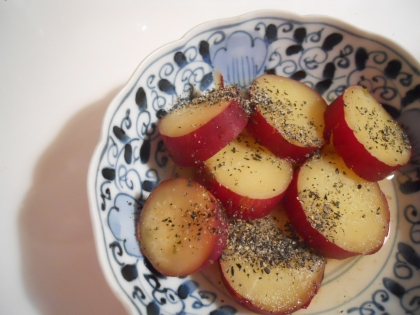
[(283, 113), (261, 246), (213, 97)]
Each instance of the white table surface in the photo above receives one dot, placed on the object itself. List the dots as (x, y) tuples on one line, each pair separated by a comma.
[(61, 63)]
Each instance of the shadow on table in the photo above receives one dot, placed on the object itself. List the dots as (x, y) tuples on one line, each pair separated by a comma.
[(59, 262)]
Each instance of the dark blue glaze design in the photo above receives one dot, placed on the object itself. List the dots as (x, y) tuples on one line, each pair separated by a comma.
[(204, 51), (224, 310), (141, 99), (405, 259), (361, 57), (298, 75), (119, 133), (375, 306), (145, 151), (108, 173), (409, 298), (409, 254), (128, 153), (166, 86), (180, 59), (412, 215), (406, 266), (134, 159), (299, 34), (182, 300), (129, 272), (271, 33), (331, 41), (185, 289), (411, 96)]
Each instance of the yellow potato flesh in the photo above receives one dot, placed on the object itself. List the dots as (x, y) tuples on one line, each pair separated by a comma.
[(177, 227), (249, 169), (282, 290), (375, 128), (187, 119), (350, 212), (284, 286), (297, 111)]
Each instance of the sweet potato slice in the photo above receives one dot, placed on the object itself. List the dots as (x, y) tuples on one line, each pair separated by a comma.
[(288, 118), (196, 129), (247, 178), (182, 227), (368, 139), (267, 269), (335, 211)]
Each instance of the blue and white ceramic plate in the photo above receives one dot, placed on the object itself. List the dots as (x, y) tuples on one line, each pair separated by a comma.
[(130, 158)]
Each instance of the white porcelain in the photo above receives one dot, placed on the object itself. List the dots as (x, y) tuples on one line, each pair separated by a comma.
[(130, 158)]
